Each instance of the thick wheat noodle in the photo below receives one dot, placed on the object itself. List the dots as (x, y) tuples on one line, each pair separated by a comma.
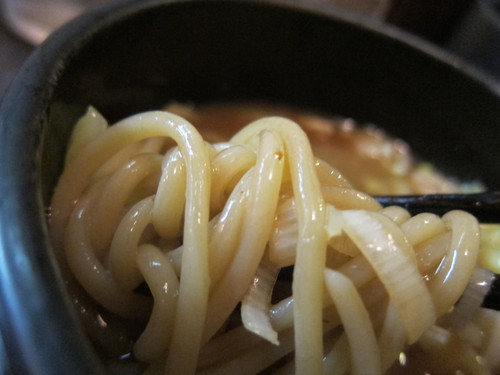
[(429, 254), (197, 237), (311, 248), (158, 273), (170, 196), (123, 249), (227, 229), (257, 224), (107, 212), (92, 274), (228, 167), (358, 327), (193, 296), (446, 285)]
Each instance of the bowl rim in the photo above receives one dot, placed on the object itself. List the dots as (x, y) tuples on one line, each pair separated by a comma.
[(20, 192)]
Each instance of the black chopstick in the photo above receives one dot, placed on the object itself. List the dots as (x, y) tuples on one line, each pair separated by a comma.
[(492, 298), (485, 206)]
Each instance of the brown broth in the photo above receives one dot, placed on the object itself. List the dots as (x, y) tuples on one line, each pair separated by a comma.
[(371, 160)]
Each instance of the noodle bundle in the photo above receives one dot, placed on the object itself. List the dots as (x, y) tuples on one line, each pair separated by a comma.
[(184, 244)]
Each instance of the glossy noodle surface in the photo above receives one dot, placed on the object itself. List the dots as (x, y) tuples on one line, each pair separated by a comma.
[(175, 231)]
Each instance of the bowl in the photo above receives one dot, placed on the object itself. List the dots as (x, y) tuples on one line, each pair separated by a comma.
[(135, 56)]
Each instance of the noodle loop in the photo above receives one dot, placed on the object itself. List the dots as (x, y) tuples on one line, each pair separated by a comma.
[(172, 233)]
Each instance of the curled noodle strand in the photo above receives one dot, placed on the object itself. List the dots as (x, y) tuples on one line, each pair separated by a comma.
[(171, 235)]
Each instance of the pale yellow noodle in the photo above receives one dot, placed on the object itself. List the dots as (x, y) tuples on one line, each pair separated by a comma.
[(123, 249), (285, 235), (343, 245), (281, 314), (164, 286), (91, 273), (168, 209), (311, 249), (193, 297), (175, 258), (227, 229), (422, 227), (359, 270), (344, 198), (392, 337), (396, 235), (365, 355), (447, 285), (283, 243), (111, 202), (392, 257), (397, 214), (373, 293), (75, 179), (148, 201), (330, 176), (152, 145), (259, 215), (87, 128), (228, 166), (428, 255)]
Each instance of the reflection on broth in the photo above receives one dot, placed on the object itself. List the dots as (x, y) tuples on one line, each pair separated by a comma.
[(177, 240)]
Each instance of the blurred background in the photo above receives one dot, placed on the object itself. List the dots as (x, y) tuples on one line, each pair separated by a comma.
[(469, 28)]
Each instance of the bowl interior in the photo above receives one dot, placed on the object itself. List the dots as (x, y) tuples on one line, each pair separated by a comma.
[(308, 58)]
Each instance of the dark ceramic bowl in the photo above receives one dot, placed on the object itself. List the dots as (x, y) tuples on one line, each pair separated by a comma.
[(141, 55)]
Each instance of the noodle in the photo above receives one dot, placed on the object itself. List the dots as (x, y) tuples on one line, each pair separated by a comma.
[(162, 279), (357, 325), (173, 233)]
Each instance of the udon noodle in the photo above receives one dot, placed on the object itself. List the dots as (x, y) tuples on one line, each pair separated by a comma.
[(177, 253)]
